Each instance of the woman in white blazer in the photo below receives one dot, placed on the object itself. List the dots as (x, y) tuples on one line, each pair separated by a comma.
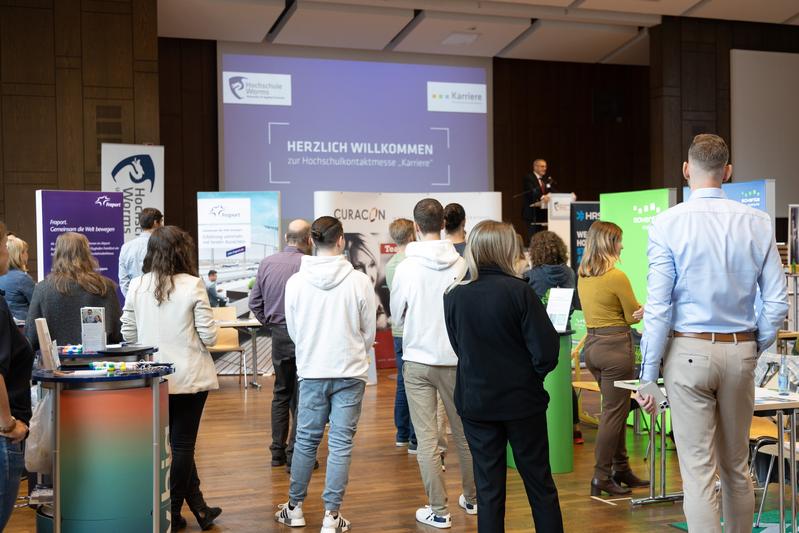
[(168, 307)]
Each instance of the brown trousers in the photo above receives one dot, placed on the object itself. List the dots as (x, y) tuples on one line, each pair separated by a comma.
[(609, 356)]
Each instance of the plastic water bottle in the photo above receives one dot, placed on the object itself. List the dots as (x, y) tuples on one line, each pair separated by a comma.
[(782, 380)]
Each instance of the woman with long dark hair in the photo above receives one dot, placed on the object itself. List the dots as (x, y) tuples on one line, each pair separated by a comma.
[(610, 307), (168, 307), (504, 352), (73, 282)]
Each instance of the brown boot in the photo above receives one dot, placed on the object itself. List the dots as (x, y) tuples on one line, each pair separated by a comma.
[(631, 480), (598, 486)]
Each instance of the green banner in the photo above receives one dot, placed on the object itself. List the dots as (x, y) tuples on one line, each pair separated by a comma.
[(633, 212)]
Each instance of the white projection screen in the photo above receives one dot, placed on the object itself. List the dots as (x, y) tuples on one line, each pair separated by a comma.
[(765, 120)]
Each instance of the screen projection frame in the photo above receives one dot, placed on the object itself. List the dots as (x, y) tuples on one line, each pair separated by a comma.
[(308, 52)]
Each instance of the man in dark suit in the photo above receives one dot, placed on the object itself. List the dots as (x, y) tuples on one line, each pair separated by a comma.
[(537, 186)]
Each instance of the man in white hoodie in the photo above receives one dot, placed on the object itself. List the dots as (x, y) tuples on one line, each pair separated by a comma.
[(330, 315), (429, 362)]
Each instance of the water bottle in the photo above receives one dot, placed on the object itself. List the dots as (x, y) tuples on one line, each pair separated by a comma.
[(782, 380)]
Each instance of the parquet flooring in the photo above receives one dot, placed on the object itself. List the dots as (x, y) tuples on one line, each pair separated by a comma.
[(385, 487)]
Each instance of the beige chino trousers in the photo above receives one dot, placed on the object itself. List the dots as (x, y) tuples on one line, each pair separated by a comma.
[(424, 384), (711, 391)]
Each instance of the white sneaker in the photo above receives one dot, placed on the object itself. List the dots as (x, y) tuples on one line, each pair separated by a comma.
[(401, 444), (471, 508), (290, 517), (334, 524), (426, 516)]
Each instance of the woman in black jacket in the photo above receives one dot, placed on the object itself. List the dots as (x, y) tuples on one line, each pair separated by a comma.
[(504, 353)]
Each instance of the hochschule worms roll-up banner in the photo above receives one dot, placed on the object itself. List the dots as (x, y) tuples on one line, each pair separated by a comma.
[(136, 171), (97, 215)]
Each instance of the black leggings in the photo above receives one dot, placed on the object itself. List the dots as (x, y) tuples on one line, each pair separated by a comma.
[(185, 411)]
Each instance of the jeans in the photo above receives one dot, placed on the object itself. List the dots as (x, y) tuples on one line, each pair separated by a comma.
[(337, 401), (12, 463), (402, 416), (185, 411), (284, 395)]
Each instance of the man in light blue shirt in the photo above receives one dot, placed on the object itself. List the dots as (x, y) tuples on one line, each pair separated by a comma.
[(707, 259), (131, 256)]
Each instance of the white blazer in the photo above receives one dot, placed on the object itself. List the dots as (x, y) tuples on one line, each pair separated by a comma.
[(181, 327)]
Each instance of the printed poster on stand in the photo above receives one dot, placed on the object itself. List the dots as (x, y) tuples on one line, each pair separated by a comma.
[(366, 217), (235, 231), (97, 215), (136, 171)]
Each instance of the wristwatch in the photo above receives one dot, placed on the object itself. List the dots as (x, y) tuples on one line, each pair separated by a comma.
[(10, 427)]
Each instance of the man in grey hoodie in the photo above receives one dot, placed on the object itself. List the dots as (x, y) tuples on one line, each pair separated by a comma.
[(330, 315), (429, 362)]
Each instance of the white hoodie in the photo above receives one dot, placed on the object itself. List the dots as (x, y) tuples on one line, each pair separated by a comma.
[(330, 314), (417, 300)]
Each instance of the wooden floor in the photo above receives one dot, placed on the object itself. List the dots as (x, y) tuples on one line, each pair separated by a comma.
[(385, 488)]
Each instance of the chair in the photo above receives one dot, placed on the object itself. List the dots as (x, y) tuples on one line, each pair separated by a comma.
[(227, 339)]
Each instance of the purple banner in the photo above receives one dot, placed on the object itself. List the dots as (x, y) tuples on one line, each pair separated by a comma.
[(97, 215), (298, 125)]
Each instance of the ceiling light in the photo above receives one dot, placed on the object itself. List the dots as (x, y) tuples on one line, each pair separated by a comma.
[(460, 39)]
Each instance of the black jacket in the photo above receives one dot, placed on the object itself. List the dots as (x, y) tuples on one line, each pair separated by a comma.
[(545, 277), (533, 193), (505, 344)]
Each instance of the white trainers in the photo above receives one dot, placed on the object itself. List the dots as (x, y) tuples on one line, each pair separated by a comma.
[(471, 508), (426, 516), (334, 524), (290, 517)]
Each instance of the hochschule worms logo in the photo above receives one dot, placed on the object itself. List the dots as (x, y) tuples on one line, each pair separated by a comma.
[(236, 84), (137, 168)]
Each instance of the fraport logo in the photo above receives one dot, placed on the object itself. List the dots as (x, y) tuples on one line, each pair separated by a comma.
[(137, 169), (236, 84), (220, 211), (105, 201)]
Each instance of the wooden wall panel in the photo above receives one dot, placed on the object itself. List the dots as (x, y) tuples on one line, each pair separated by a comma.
[(73, 73), (29, 133), (690, 82), (30, 30), (590, 122), (188, 125), (107, 50)]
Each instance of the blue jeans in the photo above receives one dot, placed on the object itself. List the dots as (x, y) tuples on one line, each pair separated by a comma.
[(402, 416), (12, 462), (337, 401)]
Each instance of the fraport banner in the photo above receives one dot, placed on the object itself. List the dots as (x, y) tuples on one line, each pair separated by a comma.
[(97, 215), (136, 171), (633, 212)]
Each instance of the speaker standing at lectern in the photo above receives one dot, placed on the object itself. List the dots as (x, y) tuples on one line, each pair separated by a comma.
[(537, 186)]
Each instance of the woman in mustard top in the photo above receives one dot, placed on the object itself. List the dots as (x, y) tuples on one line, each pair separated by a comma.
[(609, 306)]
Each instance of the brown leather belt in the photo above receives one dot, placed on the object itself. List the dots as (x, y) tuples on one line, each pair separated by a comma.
[(743, 336)]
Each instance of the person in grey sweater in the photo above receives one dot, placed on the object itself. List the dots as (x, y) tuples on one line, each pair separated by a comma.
[(72, 283)]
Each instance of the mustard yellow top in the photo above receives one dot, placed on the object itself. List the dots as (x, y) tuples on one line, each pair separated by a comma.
[(607, 300)]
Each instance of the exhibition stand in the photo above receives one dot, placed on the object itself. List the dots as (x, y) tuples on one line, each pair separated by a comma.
[(111, 455), (559, 413)]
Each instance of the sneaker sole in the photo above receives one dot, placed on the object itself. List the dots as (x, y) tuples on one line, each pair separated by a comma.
[(468, 511), (412, 452), (295, 522), (435, 524), (335, 529)]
